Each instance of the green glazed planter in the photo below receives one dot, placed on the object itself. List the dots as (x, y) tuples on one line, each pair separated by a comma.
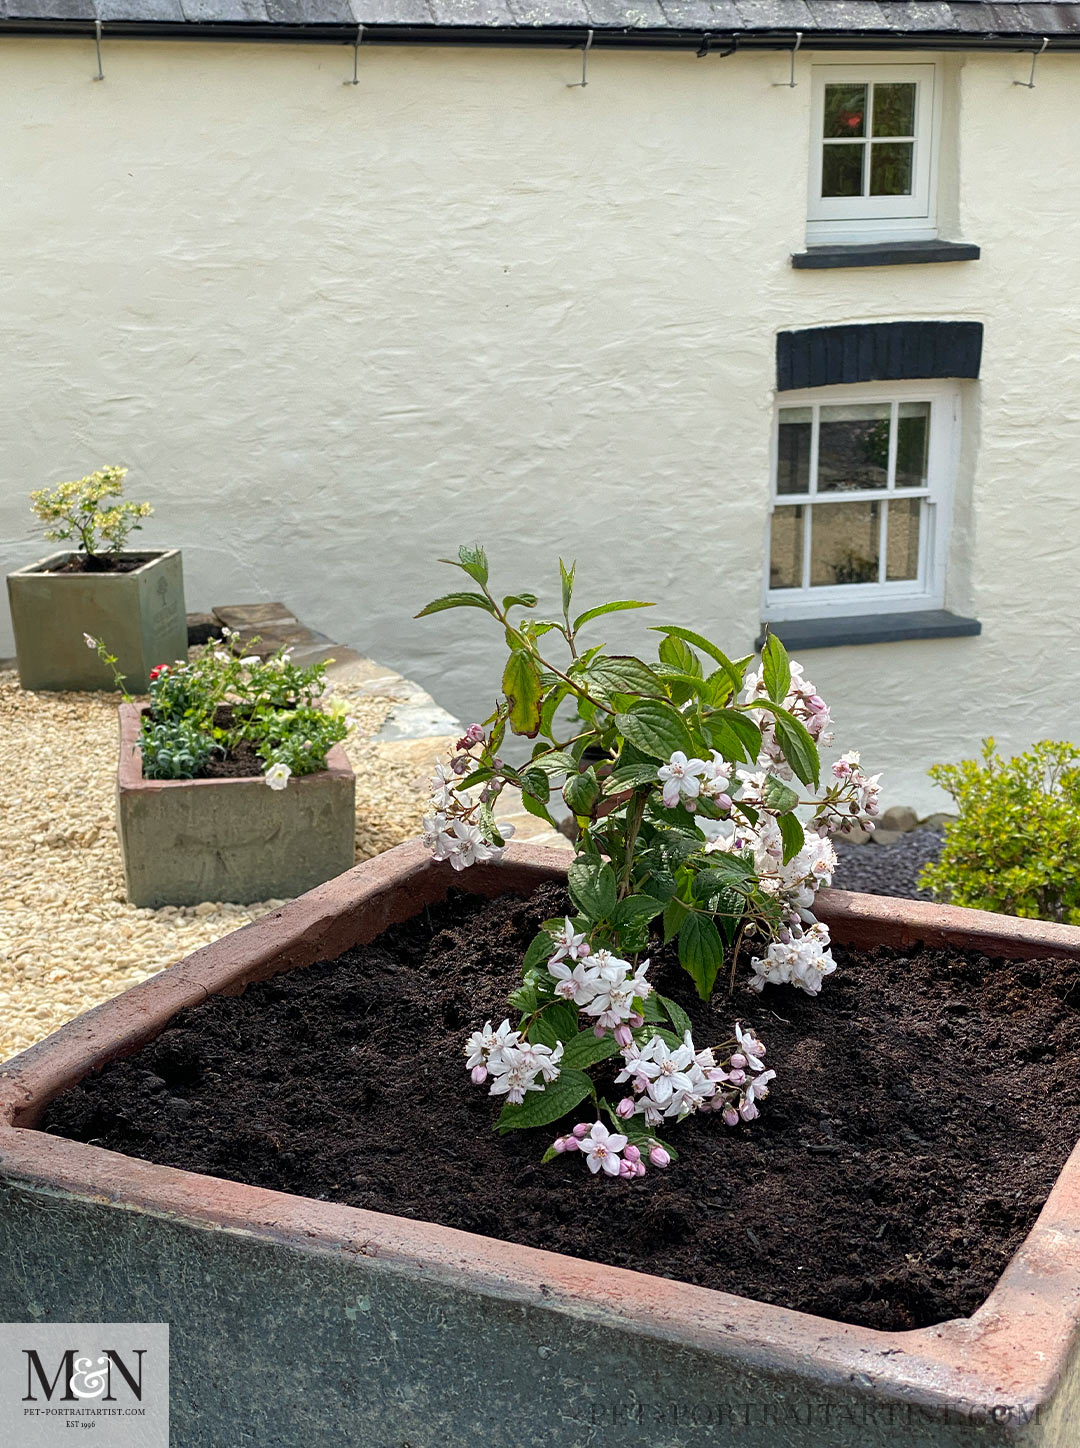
[(140, 617)]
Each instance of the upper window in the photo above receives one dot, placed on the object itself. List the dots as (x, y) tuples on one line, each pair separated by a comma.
[(862, 487), (872, 163)]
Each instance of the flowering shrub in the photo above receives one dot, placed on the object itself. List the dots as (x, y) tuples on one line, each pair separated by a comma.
[(694, 784), (1014, 847), (78, 511), (273, 706)]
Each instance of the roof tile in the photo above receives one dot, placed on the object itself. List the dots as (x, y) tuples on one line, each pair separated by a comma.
[(481, 14)]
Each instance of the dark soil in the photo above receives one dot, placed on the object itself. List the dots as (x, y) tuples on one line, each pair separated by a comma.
[(924, 1105), (243, 761), (888, 869), (102, 563)]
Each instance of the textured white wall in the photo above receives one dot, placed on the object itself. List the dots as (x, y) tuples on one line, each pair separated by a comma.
[(335, 330)]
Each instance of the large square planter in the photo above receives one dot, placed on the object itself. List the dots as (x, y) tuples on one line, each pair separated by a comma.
[(184, 841), (139, 616), (299, 1322)]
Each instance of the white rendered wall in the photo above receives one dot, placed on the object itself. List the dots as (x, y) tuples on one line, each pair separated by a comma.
[(335, 330)]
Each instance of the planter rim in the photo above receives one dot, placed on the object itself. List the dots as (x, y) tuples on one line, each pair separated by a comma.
[(129, 774), (1013, 1350), (40, 569)]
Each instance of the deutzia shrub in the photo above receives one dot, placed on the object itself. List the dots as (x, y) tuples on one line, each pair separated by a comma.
[(82, 512), (694, 781)]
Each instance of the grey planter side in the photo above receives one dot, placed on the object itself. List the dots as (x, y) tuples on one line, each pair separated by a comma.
[(184, 841), (140, 616), (296, 1322)]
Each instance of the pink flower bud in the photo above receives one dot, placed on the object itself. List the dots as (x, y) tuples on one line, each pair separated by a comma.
[(724, 801), (582, 950), (869, 826), (623, 1035), (582, 1129), (748, 1111), (478, 1075), (641, 1084), (558, 1145), (731, 1116), (659, 1157), (639, 1168), (636, 1019), (626, 1169), (571, 1143), (631, 1153), (736, 1077), (738, 1061), (599, 1031), (625, 1108)]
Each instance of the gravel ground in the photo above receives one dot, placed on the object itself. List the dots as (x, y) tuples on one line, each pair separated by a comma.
[(68, 937), (888, 869)]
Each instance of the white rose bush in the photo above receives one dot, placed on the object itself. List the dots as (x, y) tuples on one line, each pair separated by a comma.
[(695, 785)]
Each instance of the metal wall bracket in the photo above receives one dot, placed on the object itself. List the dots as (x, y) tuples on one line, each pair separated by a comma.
[(1029, 84), (792, 82), (356, 57), (584, 81)]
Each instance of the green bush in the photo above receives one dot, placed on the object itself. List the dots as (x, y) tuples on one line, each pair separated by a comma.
[(1016, 846)]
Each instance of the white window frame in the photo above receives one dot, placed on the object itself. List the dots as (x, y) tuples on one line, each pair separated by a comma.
[(839, 219), (846, 600)]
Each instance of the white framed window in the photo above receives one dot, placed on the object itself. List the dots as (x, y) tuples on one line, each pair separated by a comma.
[(861, 499), (874, 138)]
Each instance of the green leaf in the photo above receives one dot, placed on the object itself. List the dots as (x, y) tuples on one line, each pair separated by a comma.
[(474, 561), (732, 908), (551, 705), (708, 883), (794, 739), (540, 1108), (536, 782), (779, 797), (791, 832), (675, 913), (536, 807), (629, 776), (521, 685), (655, 728), (489, 826), (581, 792), (541, 949), (776, 669), (593, 889), (736, 737), (700, 642), (717, 689), (457, 600), (591, 613), (567, 584), (678, 1017), (584, 1049), (554, 762), (621, 674), (554, 1023), (636, 908), (701, 952), (522, 600), (680, 656)]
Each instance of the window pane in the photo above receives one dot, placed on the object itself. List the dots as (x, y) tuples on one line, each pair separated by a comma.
[(786, 548), (793, 450), (890, 168), (894, 110), (903, 546), (845, 110), (912, 444), (844, 543), (841, 171), (853, 448)]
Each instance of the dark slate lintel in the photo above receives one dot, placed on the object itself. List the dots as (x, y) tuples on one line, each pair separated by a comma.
[(871, 628), (883, 253), (877, 352)]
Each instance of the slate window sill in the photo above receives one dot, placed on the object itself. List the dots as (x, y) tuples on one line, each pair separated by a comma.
[(883, 253), (871, 628)]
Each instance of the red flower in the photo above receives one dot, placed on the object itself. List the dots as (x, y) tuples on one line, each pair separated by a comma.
[(158, 669)]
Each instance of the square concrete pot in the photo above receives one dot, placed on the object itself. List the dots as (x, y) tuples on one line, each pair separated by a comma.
[(184, 841), (299, 1322), (139, 616)]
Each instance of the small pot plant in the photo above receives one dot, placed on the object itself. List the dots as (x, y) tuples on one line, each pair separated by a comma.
[(97, 585), (655, 1138), (232, 784)]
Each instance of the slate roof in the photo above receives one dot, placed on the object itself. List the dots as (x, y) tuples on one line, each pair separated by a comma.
[(956, 23)]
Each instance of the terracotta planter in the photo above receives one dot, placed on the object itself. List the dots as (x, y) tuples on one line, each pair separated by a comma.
[(295, 1321), (139, 616), (188, 840)]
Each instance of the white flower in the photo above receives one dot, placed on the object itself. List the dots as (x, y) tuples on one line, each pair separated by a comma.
[(750, 1047), (666, 1070), (578, 985), (681, 777), (467, 846), (90, 643), (487, 1046), (568, 942), (443, 785), (436, 835), (249, 661), (544, 1059), (277, 776), (602, 1147), (759, 1086), (802, 961)]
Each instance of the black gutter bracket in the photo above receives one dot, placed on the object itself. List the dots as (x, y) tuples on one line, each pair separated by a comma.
[(705, 47)]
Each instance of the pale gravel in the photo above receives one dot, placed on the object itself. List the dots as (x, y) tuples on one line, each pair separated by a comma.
[(68, 937)]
